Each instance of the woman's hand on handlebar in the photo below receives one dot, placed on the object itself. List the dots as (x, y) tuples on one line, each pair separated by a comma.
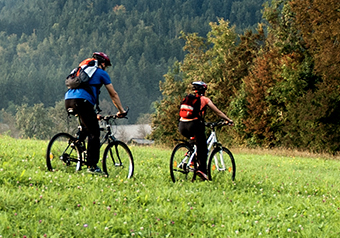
[(229, 122)]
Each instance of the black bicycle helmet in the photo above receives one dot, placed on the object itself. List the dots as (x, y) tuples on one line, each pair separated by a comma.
[(199, 87), (102, 58)]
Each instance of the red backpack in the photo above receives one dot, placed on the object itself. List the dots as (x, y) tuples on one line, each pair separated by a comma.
[(190, 107)]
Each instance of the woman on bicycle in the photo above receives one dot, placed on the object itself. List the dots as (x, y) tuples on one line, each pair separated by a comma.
[(195, 127)]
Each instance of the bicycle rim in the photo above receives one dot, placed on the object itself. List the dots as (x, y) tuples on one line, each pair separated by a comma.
[(62, 154), (179, 170), (118, 161), (221, 165)]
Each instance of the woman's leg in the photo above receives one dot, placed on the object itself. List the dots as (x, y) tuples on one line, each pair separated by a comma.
[(196, 129)]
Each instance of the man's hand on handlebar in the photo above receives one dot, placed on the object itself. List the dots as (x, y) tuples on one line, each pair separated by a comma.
[(121, 114)]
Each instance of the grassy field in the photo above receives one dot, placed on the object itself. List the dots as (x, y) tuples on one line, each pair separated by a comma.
[(275, 194)]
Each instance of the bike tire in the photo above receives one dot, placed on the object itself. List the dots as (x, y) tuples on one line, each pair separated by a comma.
[(118, 161), (178, 169), (63, 154), (218, 170)]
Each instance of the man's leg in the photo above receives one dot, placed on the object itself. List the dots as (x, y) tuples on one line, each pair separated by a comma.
[(88, 119)]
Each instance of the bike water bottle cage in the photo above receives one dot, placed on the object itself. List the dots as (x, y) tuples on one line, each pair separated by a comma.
[(192, 142), (70, 111)]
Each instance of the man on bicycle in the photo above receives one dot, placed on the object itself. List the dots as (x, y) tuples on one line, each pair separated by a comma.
[(195, 127), (82, 103)]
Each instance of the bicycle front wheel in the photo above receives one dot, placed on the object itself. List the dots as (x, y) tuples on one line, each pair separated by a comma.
[(118, 161), (179, 169), (62, 154), (221, 165)]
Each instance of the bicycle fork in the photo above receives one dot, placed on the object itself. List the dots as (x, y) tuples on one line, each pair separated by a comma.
[(218, 158)]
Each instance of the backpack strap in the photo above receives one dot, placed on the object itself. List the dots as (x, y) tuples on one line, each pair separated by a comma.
[(88, 89), (90, 66)]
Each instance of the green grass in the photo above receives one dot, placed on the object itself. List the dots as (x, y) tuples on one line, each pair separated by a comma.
[(273, 196)]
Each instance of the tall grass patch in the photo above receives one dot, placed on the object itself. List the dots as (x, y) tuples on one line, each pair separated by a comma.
[(272, 196)]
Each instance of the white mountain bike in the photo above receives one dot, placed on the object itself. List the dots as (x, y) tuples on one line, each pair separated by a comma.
[(221, 163)]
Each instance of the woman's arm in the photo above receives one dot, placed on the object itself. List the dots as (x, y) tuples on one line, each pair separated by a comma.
[(218, 112)]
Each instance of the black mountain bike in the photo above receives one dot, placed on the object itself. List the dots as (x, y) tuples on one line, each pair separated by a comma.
[(68, 153), (221, 163)]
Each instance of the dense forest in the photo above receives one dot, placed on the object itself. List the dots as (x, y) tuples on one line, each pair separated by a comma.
[(280, 84), (271, 66), (41, 41)]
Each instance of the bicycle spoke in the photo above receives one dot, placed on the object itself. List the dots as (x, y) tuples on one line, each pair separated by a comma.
[(118, 157), (112, 157), (221, 165), (62, 154), (179, 170), (118, 161)]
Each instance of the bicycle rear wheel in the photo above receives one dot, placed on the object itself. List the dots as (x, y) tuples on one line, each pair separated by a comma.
[(221, 165), (63, 154), (118, 160), (179, 170)]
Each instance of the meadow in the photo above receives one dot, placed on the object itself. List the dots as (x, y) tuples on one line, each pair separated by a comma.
[(275, 194)]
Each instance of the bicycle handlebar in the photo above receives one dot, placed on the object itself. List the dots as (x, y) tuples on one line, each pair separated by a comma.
[(108, 117), (217, 124)]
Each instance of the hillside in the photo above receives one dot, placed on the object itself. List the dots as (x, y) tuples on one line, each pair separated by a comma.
[(42, 40)]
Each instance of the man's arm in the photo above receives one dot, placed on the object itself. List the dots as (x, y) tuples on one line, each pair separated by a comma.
[(115, 98)]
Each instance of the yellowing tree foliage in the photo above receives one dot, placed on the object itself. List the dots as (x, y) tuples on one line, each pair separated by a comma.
[(282, 88)]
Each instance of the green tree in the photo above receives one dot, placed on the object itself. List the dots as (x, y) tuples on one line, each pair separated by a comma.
[(204, 62), (61, 121), (33, 122), (165, 119)]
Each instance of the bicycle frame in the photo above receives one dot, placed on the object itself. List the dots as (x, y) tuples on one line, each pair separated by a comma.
[(108, 137), (211, 140)]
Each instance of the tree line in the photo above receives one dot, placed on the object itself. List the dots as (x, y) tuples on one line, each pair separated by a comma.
[(41, 41), (280, 83)]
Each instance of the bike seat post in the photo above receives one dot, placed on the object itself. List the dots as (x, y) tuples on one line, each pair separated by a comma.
[(70, 112), (80, 128), (192, 146), (192, 141)]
